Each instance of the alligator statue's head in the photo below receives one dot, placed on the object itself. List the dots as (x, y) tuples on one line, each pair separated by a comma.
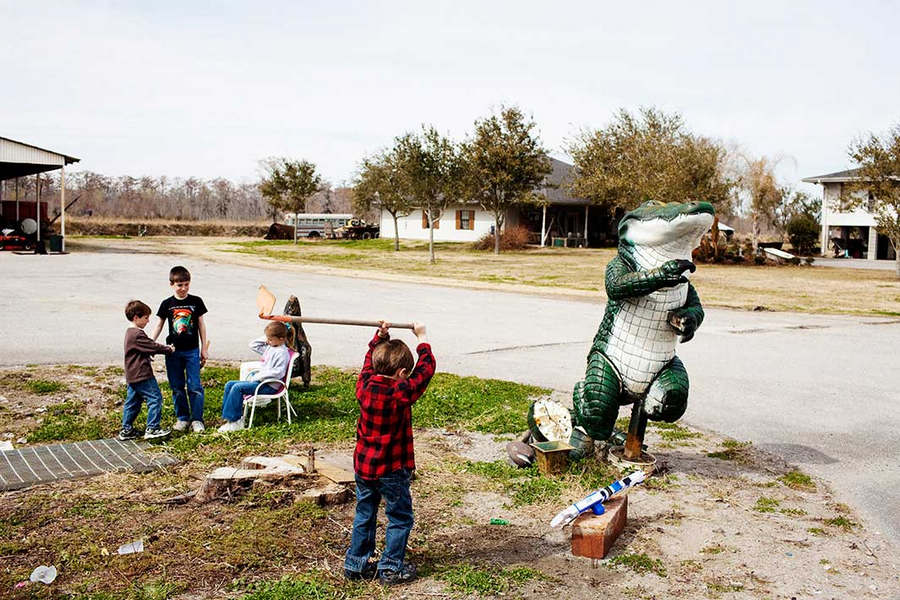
[(671, 229)]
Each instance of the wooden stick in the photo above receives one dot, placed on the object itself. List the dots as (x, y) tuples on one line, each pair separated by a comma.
[(331, 321)]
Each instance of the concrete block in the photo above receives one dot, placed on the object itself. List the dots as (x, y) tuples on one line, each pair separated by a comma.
[(593, 535)]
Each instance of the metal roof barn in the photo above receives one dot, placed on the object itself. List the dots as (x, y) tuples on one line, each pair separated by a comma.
[(18, 159)]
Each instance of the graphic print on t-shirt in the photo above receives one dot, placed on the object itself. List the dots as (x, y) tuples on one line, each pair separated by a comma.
[(181, 321), (183, 316)]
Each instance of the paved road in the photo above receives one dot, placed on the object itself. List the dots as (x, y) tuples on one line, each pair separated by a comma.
[(821, 391)]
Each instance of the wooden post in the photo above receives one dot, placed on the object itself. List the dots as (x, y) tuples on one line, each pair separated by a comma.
[(637, 426), (586, 207), (62, 207), (543, 226), (17, 201), (37, 203)]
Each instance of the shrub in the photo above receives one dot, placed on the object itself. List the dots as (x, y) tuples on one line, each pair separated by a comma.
[(803, 231), (511, 238)]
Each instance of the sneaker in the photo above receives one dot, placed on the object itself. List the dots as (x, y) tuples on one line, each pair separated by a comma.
[(368, 573), (152, 434), (229, 426), (404, 574), (181, 425), (198, 426), (128, 434)]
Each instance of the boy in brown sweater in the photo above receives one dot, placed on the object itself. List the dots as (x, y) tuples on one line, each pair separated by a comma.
[(139, 375)]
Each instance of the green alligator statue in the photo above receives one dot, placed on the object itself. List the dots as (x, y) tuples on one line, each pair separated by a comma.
[(651, 303)]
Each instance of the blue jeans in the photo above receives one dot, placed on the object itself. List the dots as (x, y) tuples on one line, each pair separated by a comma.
[(184, 365), (394, 488), (233, 399), (148, 391)]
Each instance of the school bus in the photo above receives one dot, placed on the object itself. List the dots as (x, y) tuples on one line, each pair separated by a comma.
[(317, 225)]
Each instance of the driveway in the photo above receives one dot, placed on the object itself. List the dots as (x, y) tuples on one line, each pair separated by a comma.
[(821, 391)]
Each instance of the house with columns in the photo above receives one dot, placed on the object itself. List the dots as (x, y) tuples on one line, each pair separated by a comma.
[(849, 233)]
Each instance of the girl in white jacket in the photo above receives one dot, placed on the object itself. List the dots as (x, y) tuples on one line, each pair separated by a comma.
[(274, 365)]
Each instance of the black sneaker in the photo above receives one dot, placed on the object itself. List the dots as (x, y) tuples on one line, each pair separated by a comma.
[(404, 574), (368, 573), (129, 434), (152, 434)]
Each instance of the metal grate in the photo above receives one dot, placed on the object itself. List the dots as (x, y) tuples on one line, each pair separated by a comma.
[(24, 467)]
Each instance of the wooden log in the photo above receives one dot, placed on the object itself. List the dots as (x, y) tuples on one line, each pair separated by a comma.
[(226, 481), (332, 493)]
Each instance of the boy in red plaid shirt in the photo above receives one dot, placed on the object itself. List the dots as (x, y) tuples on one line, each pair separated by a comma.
[(387, 387)]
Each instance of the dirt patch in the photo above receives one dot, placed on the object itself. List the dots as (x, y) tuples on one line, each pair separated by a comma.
[(725, 521), (26, 395)]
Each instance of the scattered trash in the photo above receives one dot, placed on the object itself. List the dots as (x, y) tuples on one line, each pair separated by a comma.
[(6, 445), (41, 409), (22, 440), (788, 553), (104, 552), (132, 548), (499, 522), (21, 584), (43, 574)]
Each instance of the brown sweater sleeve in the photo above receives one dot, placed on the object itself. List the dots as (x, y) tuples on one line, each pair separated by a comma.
[(143, 343)]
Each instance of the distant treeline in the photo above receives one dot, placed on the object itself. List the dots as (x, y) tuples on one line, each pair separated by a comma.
[(190, 199)]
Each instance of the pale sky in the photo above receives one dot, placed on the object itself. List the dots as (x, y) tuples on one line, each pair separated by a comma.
[(209, 88)]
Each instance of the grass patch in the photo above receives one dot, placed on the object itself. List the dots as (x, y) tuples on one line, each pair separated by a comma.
[(309, 585), (525, 486), (672, 432), (765, 505), (640, 563), (528, 486), (732, 450), (713, 549), (798, 480), (817, 531), (660, 483), (723, 588), (66, 422), (793, 512), (842, 522), (44, 386), (485, 581)]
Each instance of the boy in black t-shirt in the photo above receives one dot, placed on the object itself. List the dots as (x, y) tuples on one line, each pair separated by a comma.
[(187, 332)]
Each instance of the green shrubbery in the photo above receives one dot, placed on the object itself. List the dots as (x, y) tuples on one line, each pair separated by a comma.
[(803, 231)]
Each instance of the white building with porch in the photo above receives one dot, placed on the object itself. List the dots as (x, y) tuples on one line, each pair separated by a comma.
[(561, 220), (851, 234)]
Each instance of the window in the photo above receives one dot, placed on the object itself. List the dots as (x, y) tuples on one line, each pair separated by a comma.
[(465, 219), (437, 223)]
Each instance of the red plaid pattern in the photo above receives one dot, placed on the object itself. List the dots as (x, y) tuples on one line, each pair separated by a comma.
[(384, 438)]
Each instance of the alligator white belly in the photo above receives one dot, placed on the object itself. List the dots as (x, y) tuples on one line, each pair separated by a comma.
[(642, 342)]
